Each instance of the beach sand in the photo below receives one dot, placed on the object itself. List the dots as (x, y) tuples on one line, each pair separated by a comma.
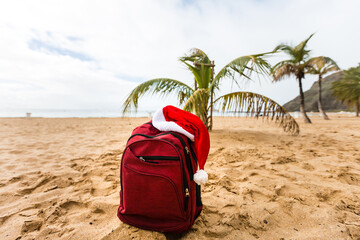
[(60, 180)]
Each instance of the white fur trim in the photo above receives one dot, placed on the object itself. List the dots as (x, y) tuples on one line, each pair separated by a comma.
[(200, 177), (161, 124)]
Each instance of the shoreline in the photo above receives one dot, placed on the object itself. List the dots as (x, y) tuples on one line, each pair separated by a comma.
[(312, 114)]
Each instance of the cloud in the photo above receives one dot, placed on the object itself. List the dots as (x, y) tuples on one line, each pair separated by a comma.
[(85, 54)]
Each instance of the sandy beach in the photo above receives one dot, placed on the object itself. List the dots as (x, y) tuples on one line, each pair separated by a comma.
[(60, 180)]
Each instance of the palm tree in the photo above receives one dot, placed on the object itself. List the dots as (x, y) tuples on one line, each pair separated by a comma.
[(347, 89), (297, 65), (202, 99), (321, 66)]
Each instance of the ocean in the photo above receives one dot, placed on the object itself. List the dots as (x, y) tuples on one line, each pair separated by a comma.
[(112, 113), (69, 113)]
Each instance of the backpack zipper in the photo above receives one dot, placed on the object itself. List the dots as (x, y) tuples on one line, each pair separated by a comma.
[(187, 158), (163, 158), (187, 155), (140, 134), (187, 150), (198, 188), (144, 160), (192, 152)]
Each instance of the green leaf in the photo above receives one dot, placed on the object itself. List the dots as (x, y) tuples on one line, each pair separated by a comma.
[(256, 105), (202, 72), (322, 65), (161, 86), (242, 67), (347, 89), (198, 103), (297, 63)]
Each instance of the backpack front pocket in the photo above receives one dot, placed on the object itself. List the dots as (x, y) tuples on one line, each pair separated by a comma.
[(157, 159), (151, 196)]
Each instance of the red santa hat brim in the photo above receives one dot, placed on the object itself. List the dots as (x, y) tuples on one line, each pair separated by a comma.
[(162, 124)]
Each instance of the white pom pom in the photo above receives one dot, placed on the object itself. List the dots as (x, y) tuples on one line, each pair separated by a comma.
[(200, 177)]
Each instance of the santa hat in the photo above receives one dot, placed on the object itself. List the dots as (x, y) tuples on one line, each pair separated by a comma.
[(174, 119)]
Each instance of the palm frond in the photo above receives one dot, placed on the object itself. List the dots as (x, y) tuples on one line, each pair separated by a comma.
[(302, 53), (197, 55), (284, 48), (161, 86), (195, 71), (202, 72), (283, 69), (322, 65), (256, 105), (279, 64), (331, 69), (242, 67), (198, 103), (347, 89), (302, 45), (296, 65), (205, 75), (298, 53)]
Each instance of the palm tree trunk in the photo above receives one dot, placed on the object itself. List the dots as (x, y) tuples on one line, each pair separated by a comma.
[(322, 112), (302, 103), (204, 116), (211, 96), (206, 119), (357, 106), (211, 112)]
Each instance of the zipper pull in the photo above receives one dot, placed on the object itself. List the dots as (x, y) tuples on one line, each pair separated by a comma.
[(141, 158), (187, 192), (187, 197), (187, 150)]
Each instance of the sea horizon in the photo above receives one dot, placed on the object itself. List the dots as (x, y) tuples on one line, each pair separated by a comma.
[(109, 113)]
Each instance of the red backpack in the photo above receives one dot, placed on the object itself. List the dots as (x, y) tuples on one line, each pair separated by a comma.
[(157, 188)]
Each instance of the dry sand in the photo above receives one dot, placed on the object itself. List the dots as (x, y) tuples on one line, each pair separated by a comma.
[(60, 180)]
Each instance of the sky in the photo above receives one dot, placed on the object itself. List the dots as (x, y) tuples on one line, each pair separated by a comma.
[(88, 54)]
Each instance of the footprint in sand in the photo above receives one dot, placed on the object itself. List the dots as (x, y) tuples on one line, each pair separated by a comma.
[(349, 178), (284, 160), (308, 167), (42, 181), (31, 225), (228, 184), (326, 194)]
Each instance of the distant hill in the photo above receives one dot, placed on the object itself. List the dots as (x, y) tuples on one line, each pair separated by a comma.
[(311, 96)]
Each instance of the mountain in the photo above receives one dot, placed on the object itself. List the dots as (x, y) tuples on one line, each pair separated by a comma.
[(329, 102)]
